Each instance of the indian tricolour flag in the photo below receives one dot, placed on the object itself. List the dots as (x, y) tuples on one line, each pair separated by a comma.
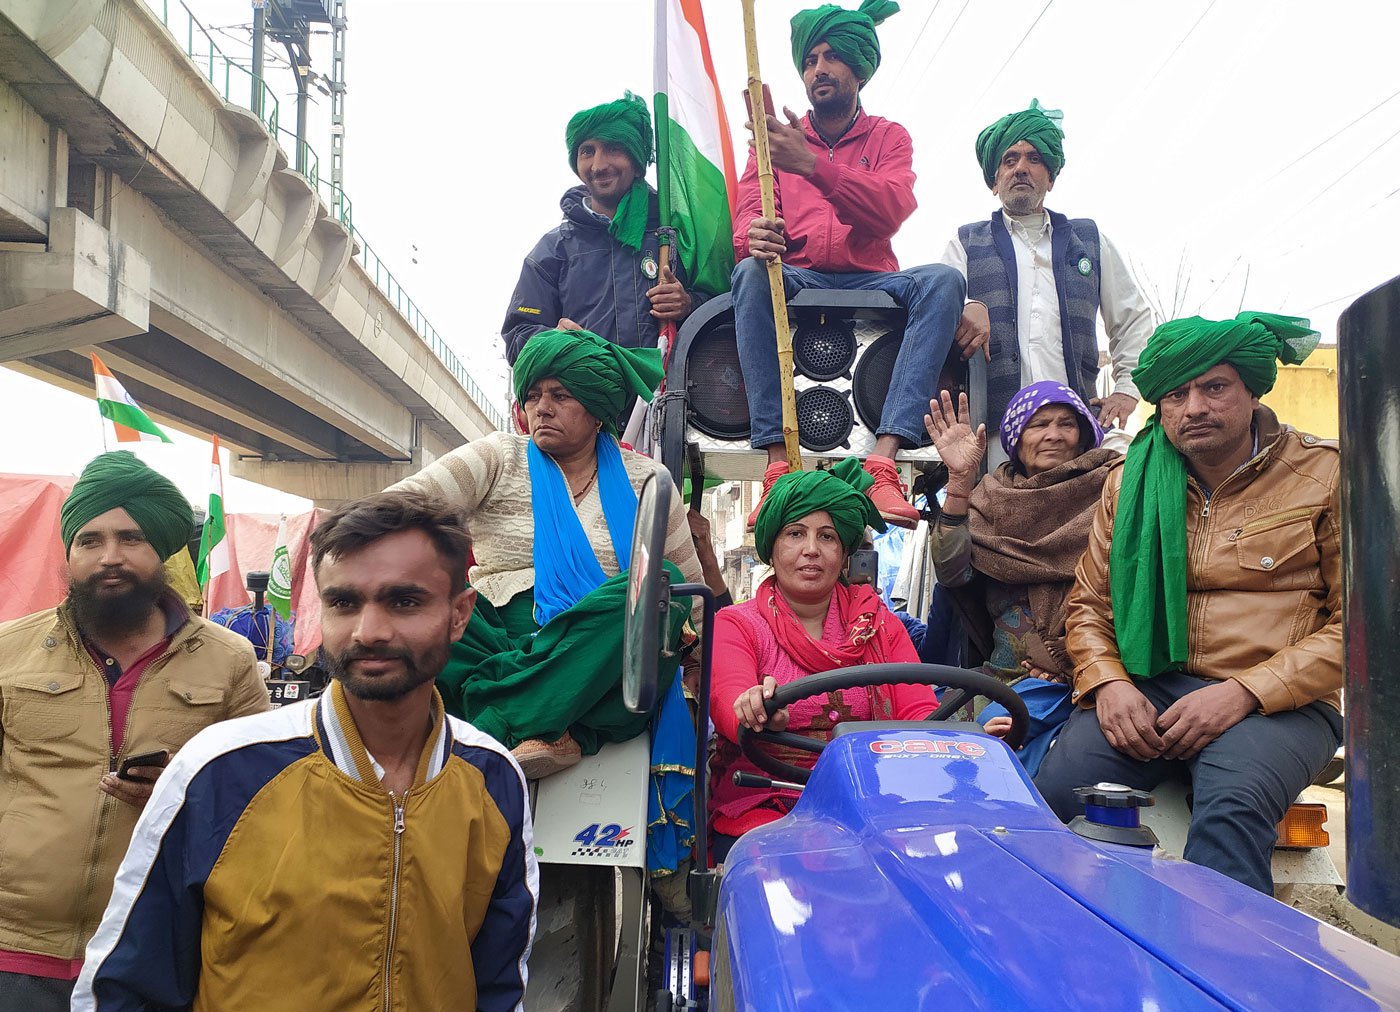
[(213, 543), (697, 185), (132, 425)]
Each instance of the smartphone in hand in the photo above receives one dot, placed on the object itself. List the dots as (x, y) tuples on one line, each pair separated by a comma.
[(131, 762), (768, 106), (864, 566)]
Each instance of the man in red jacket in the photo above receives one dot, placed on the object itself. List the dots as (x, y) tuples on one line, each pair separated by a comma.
[(844, 183)]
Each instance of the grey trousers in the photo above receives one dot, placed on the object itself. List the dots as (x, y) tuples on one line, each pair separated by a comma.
[(1242, 782), (22, 992)]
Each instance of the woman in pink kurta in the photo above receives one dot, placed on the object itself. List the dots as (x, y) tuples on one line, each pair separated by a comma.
[(804, 619)]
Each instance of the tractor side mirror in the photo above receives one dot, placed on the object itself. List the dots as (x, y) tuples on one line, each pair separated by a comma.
[(648, 595)]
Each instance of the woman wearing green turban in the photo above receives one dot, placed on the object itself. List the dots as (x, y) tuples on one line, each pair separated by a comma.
[(551, 516), (802, 620)]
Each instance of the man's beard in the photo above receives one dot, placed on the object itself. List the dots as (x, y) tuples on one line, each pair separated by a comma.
[(117, 611), (840, 102), (1021, 202), (387, 688)]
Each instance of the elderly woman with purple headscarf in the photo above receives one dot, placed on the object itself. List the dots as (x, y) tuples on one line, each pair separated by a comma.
[(1008, 544)]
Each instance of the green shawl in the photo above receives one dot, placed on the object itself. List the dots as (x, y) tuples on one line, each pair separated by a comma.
[(1147, 560)]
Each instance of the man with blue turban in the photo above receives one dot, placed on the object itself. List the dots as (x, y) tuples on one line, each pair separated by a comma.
[(1205, 620), (1038, 281), (600, 268), (119, 670), (844, 184)]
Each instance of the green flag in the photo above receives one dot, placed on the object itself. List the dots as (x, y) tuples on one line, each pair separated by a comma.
[(279, 581)]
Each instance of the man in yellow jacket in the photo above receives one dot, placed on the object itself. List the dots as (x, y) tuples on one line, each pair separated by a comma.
[(1206, 616), (359, 851), (120, 669)]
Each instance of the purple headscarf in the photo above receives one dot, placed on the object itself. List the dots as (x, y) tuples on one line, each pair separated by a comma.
[(1029, 400)]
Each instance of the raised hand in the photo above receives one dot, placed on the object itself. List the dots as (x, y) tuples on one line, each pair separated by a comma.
[(960, 449)]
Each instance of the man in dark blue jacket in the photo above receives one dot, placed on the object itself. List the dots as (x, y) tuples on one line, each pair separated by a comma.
[(600, 270)]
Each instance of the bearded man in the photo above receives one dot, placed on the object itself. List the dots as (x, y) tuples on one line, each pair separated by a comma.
[(1205, 620), (394, 836), (843, 186), (120, 669)]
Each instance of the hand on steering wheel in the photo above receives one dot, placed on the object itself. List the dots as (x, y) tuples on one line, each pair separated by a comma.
[(963, 684), (750, 709)]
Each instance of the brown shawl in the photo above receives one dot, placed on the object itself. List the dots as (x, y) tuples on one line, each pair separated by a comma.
[(1031, 532)]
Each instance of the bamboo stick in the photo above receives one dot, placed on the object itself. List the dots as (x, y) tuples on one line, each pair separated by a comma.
[(775, 267)]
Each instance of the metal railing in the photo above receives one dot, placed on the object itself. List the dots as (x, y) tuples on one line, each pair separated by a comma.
[(214, 64)]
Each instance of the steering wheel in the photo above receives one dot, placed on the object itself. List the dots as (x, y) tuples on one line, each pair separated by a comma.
[(963, 684)]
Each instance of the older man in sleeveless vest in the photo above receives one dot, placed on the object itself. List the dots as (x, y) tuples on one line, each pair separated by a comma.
[(1044, 278)]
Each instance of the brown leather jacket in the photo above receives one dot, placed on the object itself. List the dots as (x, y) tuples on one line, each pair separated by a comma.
[(61, 839), (1263, 577)]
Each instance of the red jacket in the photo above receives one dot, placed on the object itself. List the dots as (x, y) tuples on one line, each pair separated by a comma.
[(842, 217)]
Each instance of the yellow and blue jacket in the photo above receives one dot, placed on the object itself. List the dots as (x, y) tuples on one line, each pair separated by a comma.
[(272, 871)]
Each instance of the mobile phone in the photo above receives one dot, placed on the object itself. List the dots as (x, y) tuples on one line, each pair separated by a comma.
[(767, 103), (864, 566), (158, 758)]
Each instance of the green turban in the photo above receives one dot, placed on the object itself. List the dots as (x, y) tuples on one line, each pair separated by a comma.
[(840, 491), (600, 374), (1147, 560), (626, 123), (851, 34), (122, 479), (1041, 127)]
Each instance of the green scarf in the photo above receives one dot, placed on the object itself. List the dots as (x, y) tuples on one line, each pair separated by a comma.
[(1147, 559), (840, 491), (600, 374), (851, 34), (625, 122), (1038, 125), (122, 479)]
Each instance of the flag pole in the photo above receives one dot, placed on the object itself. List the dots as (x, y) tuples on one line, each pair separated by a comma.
[(661, 109), (775, 266)]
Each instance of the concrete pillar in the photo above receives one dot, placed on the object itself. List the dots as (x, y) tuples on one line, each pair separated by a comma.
[(327, 484), (85, 288)]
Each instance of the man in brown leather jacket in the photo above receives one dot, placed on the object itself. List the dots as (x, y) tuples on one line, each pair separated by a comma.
[(120, 669), (1206, 618)]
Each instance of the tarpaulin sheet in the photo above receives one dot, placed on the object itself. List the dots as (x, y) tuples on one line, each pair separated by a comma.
[(34, 572)]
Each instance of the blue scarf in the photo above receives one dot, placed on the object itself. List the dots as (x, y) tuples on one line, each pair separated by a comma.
[(565, 567)]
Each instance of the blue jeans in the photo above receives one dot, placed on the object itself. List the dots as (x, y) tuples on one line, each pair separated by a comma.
[(933, 297), (1241, 783)]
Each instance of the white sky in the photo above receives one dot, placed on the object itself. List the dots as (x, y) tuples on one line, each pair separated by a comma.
[(1215, 138)]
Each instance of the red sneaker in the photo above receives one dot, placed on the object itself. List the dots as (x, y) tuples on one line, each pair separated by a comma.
[(775, 471), (888, 493)]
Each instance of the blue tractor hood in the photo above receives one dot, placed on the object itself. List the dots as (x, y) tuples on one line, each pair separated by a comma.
[(921, 870)]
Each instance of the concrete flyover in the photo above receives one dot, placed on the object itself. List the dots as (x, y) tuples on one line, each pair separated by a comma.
[(147, 214)]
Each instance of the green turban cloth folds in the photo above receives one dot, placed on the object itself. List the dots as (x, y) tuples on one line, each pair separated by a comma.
[(851, 34), (122, 479), (600, 374), (1041, 127), (627, 124), (1147, 560), (840, 491)]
